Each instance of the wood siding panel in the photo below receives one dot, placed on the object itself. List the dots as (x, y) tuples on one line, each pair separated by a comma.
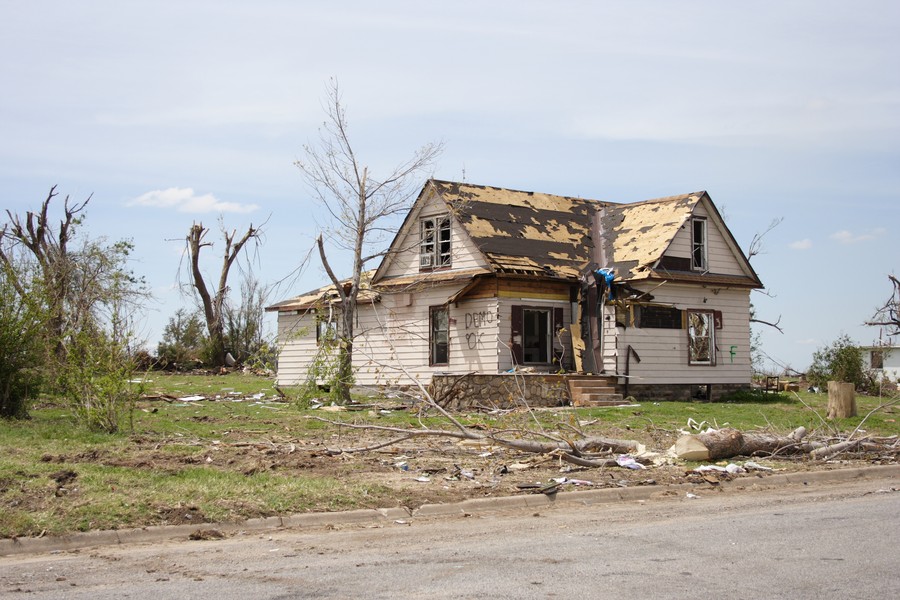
[(393, 346), (297, 347), (664, 352)]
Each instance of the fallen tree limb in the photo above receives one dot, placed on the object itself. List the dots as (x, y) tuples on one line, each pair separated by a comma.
[(571, 450), (829, 451), (726, 443)]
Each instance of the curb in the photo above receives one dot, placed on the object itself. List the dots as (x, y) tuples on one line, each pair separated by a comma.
[(466, 508)]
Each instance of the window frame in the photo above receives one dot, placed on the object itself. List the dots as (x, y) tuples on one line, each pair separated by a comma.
[(556, 322), (433, 330), (652, 316), (435, 243), (325, 325), (699, 247), (709, 316)]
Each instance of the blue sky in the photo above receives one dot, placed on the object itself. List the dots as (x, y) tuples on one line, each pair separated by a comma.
[(175, 112)]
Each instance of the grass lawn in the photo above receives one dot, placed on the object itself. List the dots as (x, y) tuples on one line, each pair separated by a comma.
[(241, 452)]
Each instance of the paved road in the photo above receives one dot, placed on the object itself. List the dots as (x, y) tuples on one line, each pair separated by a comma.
[(837, 541)]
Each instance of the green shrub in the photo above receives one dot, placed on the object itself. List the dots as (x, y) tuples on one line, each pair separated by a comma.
[(96, 379), (839, 361), (21, 350)]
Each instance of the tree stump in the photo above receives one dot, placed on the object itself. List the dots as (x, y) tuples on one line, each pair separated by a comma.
[(841, 400)]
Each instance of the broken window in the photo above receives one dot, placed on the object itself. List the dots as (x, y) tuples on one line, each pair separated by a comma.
[(439, 337), (699, 250), (434, 245), (876, 359), (659, 317), (701, 337), (326, 328)]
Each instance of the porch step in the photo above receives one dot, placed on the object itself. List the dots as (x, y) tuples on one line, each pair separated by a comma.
[(593, 390)]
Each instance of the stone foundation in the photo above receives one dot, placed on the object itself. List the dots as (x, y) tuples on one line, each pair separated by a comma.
[(480, 391), (681, 391), (499, 391)]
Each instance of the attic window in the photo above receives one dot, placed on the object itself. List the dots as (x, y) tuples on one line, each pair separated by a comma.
[(434, 247), (699, 251)]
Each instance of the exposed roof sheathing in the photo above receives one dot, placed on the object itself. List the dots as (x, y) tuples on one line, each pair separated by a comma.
[(523, 232), (637, 235), (326, 295), (542, 235)]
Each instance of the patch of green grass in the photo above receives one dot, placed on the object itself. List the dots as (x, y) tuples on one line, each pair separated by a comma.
[(783, 412), (171, 466), (182, 384)]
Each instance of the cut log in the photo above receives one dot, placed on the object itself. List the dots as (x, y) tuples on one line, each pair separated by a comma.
[(725, 443), (841, 400)]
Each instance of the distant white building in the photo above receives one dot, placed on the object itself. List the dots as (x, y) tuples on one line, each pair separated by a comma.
[(884, 360)]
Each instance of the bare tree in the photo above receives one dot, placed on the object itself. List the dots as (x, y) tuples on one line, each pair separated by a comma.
[(213, 301), (50, 249), (360, 207), (85, 298), (888, 315), (84, 284)]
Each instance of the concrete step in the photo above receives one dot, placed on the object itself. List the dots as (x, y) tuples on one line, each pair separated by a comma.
[(586, 382), (594, 389), (599, 400)]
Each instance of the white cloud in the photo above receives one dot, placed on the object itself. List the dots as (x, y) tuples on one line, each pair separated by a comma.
[(807, 342), (804, 244), (186, 201), (848, 237)]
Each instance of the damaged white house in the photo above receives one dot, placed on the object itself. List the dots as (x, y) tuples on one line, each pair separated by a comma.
[(652, 296)]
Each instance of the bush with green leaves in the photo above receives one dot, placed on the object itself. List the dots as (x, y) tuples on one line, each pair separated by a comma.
[(99, 383), (184, 343), (323, 376), (22, 349), (839, 361), (244, 327), (82, 293)]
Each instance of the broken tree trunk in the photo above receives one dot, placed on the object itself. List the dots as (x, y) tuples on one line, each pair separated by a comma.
[(841, 400), (725, 443)]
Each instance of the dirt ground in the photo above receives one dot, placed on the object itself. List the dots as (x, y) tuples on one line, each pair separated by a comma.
[(419, 471)]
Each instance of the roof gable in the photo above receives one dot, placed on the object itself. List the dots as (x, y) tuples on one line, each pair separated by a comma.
[(523, 232), (544, 235), (636, 235)]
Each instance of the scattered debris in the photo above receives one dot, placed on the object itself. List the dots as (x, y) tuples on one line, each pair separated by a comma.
[(731, 469), (624, 460), (752, 466)]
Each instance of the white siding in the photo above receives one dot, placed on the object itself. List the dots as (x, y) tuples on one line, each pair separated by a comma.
[(721, 259), (297, 347), (406, 262), (890, 362), (664, 352), (473, 336), (610, 348), (393, 343)]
